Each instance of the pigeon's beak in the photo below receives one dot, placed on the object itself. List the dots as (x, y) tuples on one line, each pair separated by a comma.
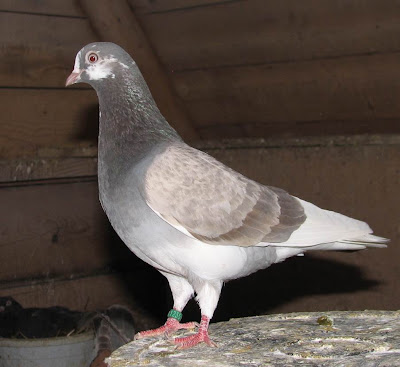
[(74, 77)]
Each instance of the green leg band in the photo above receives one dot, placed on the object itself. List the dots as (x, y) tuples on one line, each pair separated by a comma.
[(175, 314)]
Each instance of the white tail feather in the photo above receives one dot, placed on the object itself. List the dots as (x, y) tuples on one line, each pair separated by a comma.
[(327, 230), (368, 240)]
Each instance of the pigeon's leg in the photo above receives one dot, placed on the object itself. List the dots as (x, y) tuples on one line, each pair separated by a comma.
[(182, 292), (207, 296)]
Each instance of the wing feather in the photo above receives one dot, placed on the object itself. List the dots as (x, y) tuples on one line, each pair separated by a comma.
[(215, 204)]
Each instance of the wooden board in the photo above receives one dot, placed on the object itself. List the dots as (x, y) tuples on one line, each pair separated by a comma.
[(44, 168), (67, 8), (33, 56), (304, 128), (81, 161), (38, 118), (255, 32), (48, 230), (359, 89)]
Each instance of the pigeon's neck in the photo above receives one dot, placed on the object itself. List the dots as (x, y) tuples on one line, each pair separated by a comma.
[(130, 121)]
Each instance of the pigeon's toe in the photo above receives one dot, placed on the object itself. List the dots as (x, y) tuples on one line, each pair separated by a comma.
[(169, 327)]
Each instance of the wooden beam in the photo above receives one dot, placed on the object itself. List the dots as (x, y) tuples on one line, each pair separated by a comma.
[(114, 21)]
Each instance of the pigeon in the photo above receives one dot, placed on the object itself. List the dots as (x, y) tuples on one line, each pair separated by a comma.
[(195, 220)]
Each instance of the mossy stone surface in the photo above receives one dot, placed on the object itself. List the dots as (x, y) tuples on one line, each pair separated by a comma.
[(356, 338)]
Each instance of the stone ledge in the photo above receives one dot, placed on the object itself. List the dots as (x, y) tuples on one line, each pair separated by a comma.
[(356, 338)]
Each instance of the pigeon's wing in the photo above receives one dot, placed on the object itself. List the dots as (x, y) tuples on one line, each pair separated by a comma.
[(204, 199)]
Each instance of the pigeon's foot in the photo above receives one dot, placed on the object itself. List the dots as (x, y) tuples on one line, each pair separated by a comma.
[(200, 337), (170, 326)]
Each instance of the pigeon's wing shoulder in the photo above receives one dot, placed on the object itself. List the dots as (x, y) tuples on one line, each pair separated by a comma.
[(204, 199)]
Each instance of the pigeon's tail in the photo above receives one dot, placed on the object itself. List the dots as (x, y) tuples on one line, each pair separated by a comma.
[(368, 240), (354, 244)]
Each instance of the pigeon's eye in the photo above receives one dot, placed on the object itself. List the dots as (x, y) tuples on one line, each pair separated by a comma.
[(92, 58)]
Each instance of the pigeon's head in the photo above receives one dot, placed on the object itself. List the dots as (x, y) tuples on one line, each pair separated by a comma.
[(99, 61)]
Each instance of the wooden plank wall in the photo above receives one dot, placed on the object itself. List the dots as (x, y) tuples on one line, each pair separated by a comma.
[(56, 246), (52, 229), (242, 68), (262, 68), (39, 42)]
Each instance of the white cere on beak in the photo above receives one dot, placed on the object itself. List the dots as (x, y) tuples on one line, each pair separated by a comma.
[(102, 69)]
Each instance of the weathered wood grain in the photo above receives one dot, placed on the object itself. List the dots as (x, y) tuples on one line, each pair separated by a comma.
[(302, 128), (39, 50), (44, 168), (38, 118), (254, 32), (362, 89), (52, 230), (67, 8), (81, 161)]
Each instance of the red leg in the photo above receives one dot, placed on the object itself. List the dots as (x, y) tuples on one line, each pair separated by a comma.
[(200, 336), (170, 326)]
